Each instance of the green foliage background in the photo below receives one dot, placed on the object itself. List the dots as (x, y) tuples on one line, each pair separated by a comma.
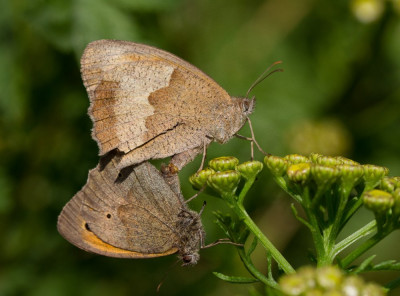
[(339, 94)]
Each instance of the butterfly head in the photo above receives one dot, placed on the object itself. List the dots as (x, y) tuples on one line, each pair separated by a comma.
[(248, 105), (190, 258)]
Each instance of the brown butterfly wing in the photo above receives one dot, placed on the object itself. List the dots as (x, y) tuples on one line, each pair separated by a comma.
[(150, 102), (72, 227), (132, 219)]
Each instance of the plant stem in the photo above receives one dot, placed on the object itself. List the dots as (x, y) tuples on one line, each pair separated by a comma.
[(313, 221), (245, 189), (362, 249), (332, 232), (362, 232), (282, 183), (253, 270), (241, 212)]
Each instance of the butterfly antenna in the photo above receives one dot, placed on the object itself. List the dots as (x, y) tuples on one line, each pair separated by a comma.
[(166, 274), (202, 208), (264, 75)]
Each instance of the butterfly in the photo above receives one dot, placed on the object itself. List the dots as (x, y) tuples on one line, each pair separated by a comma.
[(142, 214), (146, 103)]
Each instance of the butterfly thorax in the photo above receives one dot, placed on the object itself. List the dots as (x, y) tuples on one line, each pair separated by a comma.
[(191, 234)]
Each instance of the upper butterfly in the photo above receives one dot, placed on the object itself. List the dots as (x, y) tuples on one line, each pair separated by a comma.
[(146, 103)]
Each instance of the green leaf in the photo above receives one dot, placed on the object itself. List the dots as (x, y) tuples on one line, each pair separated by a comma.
[(387, 265), (223, 221), (235, 279), (366, 264), (252, 247), (235, 230)]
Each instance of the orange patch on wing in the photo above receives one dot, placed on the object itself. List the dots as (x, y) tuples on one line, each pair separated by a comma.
[(103, 248)]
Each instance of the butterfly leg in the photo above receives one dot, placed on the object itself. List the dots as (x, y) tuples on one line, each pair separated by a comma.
[(196, 195), (181, 159), (222, 241), (252, 140)]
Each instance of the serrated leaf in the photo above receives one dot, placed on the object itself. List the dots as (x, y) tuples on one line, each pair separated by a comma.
[(235, 230), (224, 222), (235, 279), (365, 264), (387, 265)]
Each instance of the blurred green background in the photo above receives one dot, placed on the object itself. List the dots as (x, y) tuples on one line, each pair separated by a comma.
[(339, 95)]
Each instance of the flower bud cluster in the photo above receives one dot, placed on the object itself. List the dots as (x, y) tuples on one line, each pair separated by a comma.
[(320, 172), (326, 281), (224, 174)]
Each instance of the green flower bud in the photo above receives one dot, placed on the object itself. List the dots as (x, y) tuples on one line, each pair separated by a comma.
[(388, 184), (299, 172), (250, 169), (324, 174), (352, 285), (296, 158), (345, 160), (223, 163), (397, 181), (329, 277), (225, 182), (373, 174), (372, 289), (396, 202), (277, 165), (314, 156), (292, 284), (378, 201), (328, 160), (350, 174), (199, 179)]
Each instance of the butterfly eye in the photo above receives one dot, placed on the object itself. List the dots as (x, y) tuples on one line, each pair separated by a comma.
[(187, 259), (108, 216), (248, 105)]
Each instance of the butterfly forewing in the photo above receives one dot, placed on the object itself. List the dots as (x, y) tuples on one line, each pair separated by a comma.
[(148, 103)]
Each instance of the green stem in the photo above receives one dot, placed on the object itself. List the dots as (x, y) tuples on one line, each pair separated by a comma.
[(282, 183), (245, 189), (332, 233), (363, 232), (357, 205), (320, 193), (253, 270), (352, 210), (368, 244), (313, 221), (241, 212)]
